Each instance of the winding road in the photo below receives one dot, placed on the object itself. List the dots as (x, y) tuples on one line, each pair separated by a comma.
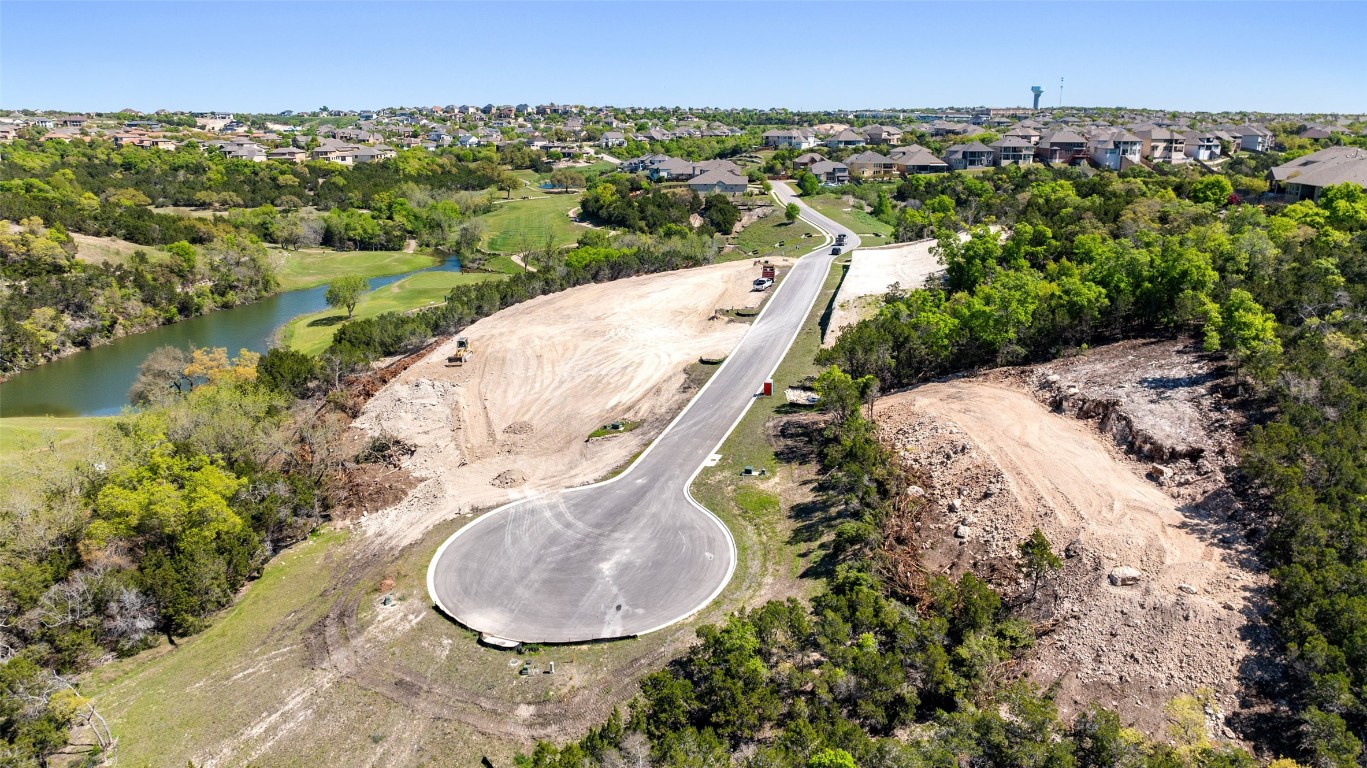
[(635, 553)]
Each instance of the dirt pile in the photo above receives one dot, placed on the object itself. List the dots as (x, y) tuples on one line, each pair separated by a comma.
[(543, 375), (1160, 594)]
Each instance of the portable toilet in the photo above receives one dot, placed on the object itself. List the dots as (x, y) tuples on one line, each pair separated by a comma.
[(768, 388)]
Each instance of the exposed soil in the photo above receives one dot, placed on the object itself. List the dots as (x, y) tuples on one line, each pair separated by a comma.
[(543, 375), (873, 271), (1160, 594)]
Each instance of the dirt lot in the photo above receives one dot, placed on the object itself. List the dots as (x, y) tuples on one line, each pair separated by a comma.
[(545, 374), (872, 272), (1001, 463)]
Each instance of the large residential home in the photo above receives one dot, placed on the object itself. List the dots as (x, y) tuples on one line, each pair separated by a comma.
[(846, 138), (75, 121), (675, 169), (802, 161), (797, 138), (882, 134), (643, 163), (1316, 132), (962, 157), (1021, 131), (915, 159), (1014, 150), (1161, 145), (8, 133), (611, 139), (1202, 145), (871, 165), (726, 182), (1064, 147), (830, 172), (1116, 149), (1255, 138), (287, 154), (1307, 176), (243, 150)]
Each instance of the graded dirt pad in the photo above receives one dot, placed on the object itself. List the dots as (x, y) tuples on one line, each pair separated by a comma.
[(873, 271), (544, 374), (1001, 463)]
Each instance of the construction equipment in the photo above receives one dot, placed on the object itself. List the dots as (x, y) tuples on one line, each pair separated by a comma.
[(463, 352)]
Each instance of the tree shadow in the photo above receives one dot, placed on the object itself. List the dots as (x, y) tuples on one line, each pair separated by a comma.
[(327, 321)]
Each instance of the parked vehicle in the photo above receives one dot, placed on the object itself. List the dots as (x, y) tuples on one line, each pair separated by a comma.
[(835, 251), (761, 283)]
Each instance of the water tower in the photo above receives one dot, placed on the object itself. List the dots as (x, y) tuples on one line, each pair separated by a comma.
[(1037, 90)]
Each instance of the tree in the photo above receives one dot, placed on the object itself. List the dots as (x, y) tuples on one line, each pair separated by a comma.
[(832, 758), (1212, 190), (566, 179), (508, 183), (1037, 559), (161, 374), (808, 184), (345, 292), (791, 212)]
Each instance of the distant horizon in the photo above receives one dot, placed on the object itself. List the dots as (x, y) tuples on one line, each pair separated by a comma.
[(227, 56)]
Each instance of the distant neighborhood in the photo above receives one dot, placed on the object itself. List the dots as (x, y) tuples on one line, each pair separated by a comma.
[(837, 148)]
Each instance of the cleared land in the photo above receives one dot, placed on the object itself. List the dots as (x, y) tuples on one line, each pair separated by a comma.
[(313, 333), (545, 374), (27, 442), (516, 225), (308, 267), (873, 271), (999, 464), (313, 666), (110, 250)]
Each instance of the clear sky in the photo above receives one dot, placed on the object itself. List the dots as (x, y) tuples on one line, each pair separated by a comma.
[(271, 56)]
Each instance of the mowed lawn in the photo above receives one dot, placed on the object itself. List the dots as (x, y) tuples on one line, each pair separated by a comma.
[(312, 333), (520, 225), (27, 441), (856, 219), (773, 236), (308, 267)]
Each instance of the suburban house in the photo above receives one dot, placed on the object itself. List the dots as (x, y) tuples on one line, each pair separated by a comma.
[(1116, 149), (722, 181), (1315, 132), (1023, 132), (963, 157), (467, 140), (1161, 145), (8, 133), (611, 139), (846, 138), (1202, 145), (243, 150), (1014, 150), (882, 134), (1307, 176), (643, 163), (830, 172), (1256, 139), (75, 121), (871, 165), (916, 159), (802, 161), (675, 169), (798, 138), (287, 154), (1061, 147)]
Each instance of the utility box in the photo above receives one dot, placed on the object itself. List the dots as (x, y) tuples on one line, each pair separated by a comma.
[(768, 390)]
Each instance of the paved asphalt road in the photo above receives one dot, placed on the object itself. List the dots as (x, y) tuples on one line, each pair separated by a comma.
[(636, 553)]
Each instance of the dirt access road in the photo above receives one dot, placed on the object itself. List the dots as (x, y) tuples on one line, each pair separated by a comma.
[(634, 554), (1000, 464)]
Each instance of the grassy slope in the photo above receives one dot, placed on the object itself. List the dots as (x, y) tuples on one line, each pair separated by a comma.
[(25, 440), (518, 225), (766, 235), (859, 221), (308, 267), (313, 333), (110, 249)]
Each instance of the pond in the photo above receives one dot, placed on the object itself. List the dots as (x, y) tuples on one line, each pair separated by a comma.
[(95, 381)]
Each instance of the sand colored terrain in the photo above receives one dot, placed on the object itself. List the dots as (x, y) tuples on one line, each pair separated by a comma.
[(873, 271), (999, 464), (544, 374)]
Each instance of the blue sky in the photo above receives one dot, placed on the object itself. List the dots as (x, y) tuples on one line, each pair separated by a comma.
[(270, 56)]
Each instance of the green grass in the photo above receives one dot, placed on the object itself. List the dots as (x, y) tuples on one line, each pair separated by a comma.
[(28, 441), (858, 220), (502, 265), (312, 333), (308, 267), (773, 236), (155, 699), (520, 225), (608, 431)]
